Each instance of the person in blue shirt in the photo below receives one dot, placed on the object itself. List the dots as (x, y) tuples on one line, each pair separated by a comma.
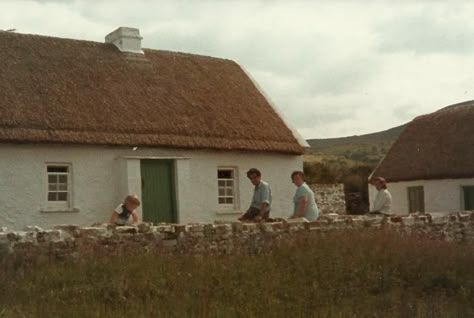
[(304, 201), (261, 200)]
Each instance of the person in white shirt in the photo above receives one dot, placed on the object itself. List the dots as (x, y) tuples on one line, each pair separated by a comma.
[(122, 214), (383, 199)]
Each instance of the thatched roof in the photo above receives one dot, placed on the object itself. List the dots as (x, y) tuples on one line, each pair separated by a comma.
[(55, 90), (439, 145)]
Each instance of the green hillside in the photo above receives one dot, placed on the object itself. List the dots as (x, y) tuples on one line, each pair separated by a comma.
[(369, 148), (374, 138), (349, 160)]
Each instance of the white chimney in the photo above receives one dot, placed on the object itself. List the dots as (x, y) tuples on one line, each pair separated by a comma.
[(126, 39)]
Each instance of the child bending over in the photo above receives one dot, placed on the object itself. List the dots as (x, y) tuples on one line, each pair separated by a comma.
[(121, 215)]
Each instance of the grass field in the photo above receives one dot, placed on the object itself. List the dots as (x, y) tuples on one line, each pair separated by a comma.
[(351, 274)]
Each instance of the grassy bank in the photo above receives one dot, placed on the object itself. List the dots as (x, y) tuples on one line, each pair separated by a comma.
[(339, 275)]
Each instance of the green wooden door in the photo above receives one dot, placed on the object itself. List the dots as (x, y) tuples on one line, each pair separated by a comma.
[(158, 191), (468, 198)]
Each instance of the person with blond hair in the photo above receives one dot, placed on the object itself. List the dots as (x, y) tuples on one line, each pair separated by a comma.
[(383, 199), (121, 215), (304, 201)]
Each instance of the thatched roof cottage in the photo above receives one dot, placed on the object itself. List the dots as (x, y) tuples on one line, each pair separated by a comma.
[(431, 165), (84, 123)]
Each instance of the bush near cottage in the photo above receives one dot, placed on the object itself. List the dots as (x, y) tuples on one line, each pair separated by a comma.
[(349, 274)]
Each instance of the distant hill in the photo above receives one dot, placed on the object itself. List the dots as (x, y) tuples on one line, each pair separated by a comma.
[(349, 160), (386, 137), (364, 149)]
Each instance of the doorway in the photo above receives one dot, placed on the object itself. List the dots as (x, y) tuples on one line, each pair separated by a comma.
[(158, 191)]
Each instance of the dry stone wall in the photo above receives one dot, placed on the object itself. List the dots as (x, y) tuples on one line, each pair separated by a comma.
[(70, 241), (330, 197)]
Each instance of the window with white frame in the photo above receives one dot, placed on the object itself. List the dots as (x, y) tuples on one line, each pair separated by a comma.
[(226, 187), (59, 184)]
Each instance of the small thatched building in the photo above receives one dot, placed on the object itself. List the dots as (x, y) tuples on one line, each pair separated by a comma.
[(431, 166), (84, 123)]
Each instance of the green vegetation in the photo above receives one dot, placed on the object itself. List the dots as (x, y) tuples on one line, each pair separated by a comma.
[(350, 274), (354, 175), (349, 160)]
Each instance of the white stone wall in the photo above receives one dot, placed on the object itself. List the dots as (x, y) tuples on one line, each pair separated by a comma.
[(440, 195), (102, 176), (330, 198)]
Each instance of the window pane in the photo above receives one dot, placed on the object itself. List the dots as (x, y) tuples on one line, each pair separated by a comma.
[(62, 196), (221, 183), (52, 178), (229, 192), (52, 187), (221, 200), (224, 174), (229, 200), (468, 198), (52, 196), (230, 183), (62, 178), (221, 191), (57, 168), (62, 186), (416, 199)]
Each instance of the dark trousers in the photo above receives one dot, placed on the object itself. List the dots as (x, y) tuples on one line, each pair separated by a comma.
[(253, 212)]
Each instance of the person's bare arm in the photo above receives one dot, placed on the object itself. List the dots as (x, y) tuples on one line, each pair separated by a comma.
[(303, 203), (263, 208), (135, 218), (113, 217)]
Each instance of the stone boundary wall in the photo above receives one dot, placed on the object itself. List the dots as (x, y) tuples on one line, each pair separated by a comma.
[(330, 197), (70, 241)]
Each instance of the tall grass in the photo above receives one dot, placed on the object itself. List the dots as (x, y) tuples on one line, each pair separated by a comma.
[(350, 274)]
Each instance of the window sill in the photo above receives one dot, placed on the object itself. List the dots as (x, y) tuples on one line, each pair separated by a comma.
[(228, 212), (59, 210)]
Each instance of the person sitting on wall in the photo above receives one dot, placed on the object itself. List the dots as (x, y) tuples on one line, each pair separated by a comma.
[(121, 215), (304, 201), (383, 199), (262, 198)]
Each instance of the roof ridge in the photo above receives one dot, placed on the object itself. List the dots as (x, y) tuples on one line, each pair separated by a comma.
[(181, 53)]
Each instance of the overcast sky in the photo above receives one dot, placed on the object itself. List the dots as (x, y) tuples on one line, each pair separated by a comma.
[(333, 68)]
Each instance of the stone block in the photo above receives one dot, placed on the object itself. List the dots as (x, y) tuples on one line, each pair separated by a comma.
[(249, 227), (33, 228), (126, 229), (92, 232), (357, 222), (164, 228), (223, 228), (237, 227), (408, 220), (169, 243), (71, 229), (396, 219), (196, 227), (439, 219), (266, 227), (179, 228), (144, 227), (464, 217), (49, 236)]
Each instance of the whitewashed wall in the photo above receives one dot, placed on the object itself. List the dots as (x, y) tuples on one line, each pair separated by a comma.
[(440, 195), (102, 176)]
